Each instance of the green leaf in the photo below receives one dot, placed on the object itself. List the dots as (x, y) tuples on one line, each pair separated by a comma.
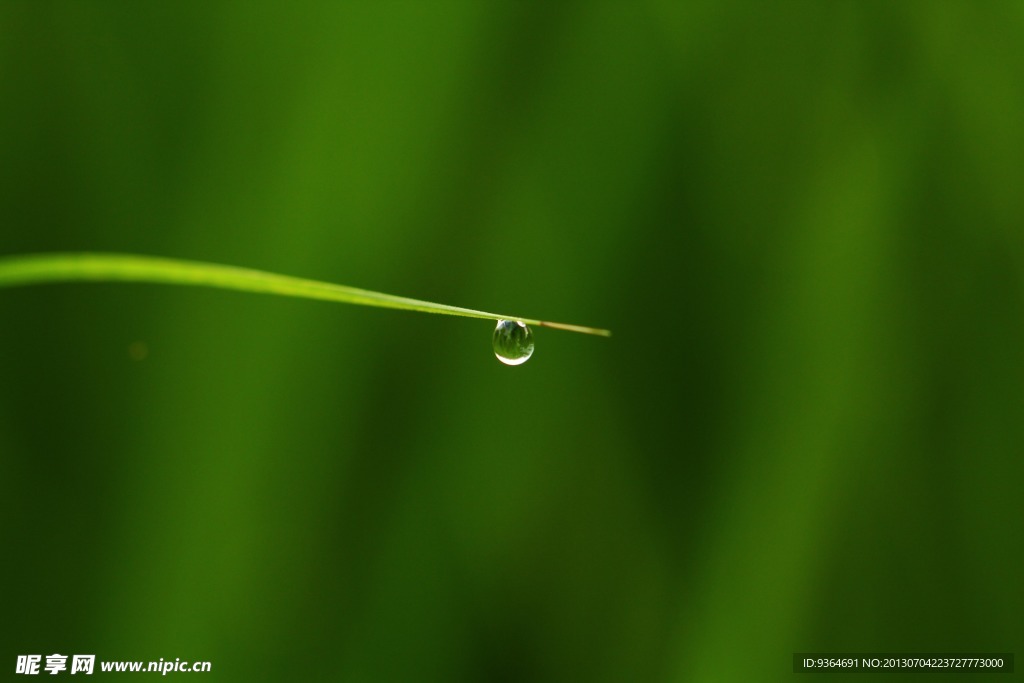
[(34, 269)]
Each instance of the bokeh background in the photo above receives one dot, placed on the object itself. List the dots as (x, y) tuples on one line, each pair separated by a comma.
[(802, 220)]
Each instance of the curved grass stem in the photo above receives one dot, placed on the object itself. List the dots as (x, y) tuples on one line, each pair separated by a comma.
[(34, 269)]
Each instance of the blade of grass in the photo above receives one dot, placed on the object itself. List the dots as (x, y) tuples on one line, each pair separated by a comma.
[(34, 269)]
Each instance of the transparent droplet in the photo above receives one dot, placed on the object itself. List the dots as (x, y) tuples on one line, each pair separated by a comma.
[(513, 342)]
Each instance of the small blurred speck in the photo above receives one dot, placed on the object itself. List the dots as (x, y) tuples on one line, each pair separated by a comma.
[(138, 351)]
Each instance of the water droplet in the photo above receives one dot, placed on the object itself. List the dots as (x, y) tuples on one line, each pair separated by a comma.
[(513, 342)]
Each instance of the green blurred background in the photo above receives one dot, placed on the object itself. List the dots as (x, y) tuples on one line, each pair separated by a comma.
[(802, 220)]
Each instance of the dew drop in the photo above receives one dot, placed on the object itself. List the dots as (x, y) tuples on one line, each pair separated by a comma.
[(513, 342)]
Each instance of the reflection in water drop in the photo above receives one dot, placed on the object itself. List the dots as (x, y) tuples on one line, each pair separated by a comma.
[(513, 342)]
